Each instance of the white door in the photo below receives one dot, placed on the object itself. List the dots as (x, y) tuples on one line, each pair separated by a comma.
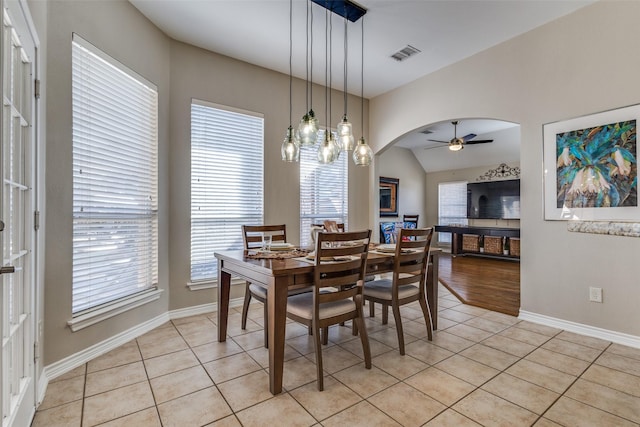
[(17, 156)]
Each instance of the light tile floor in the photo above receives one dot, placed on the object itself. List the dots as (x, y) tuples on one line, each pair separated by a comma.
[(482, 368)]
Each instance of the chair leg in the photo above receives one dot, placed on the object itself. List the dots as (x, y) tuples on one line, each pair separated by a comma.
[(372, 309), (427, 318), (385, 314), (266, 325), (245, 306), (364, 338), (396, 316), (318, 348), (325, 336)]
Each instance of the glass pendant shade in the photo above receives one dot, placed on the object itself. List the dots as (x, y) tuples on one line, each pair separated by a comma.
[(290, 148), (308, 129), (337, 146), (327, 150), (345, 134), (362, 154)]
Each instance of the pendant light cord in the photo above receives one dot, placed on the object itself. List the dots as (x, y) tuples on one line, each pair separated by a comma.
[(326, 66), (345, 65), (310, 59), (362, 80), (290, 61)]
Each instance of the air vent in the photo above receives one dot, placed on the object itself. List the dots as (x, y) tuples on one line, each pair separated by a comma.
[(405, 52), (426, 131)]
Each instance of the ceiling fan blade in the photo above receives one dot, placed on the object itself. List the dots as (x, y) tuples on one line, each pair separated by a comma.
[(436, 140), (468, 137), (479, 141)]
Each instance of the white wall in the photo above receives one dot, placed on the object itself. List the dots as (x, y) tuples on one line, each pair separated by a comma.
[(580, 64)]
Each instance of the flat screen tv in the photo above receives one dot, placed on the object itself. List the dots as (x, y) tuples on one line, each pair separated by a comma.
[(494, 200)]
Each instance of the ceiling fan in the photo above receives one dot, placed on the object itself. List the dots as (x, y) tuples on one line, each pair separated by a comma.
[(457, 144)]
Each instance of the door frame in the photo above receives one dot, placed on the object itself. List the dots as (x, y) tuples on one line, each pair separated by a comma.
[(27, 28)]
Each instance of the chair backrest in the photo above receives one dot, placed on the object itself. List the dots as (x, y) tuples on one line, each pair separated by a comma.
[(252, 234), (340, 263), (412, 257), (411, 218), (340, 225)]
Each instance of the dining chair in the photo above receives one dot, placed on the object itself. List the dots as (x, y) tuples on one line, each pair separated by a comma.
[(340, 226), (340, 264), (252, 238), (411, 218), (408, 282)]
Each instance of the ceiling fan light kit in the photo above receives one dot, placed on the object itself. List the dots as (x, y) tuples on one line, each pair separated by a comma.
[(457, 144)]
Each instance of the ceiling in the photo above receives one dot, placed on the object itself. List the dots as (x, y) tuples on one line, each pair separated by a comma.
[(445, 31), (436, 156)]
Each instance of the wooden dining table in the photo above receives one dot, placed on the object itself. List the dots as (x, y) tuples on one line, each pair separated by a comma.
[(277, 276)]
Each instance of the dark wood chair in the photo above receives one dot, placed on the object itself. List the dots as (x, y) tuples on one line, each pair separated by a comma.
[(340, 226), (340, 264), (411, 218), (408, 283), (252, 238)]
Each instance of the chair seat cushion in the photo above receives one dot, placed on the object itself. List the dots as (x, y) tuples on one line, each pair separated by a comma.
[(302, 306), (260, 293), (381, 289)]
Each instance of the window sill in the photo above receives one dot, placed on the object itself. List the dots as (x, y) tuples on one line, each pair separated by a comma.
[(211, 284), (111, 310)]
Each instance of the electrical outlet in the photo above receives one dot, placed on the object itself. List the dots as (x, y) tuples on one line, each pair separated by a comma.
[(595, 294)]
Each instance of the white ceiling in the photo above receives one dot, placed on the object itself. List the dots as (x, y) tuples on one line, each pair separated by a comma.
[(435, 156), (446, 31)]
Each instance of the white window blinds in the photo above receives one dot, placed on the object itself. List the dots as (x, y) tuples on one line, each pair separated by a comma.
[(115, 175), (227, 187), (452, 206), (323, 191)]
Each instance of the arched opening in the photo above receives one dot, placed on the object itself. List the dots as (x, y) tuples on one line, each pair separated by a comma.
[(433, 184)]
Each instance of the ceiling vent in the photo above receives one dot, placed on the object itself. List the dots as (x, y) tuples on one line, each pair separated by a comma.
[(426, 131), (405, 53)]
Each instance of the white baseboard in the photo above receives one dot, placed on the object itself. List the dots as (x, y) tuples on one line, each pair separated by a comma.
[(202, 309), (69, 363), (579, 328), (65, 365)]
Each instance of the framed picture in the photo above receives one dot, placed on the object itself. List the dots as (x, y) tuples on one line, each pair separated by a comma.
[(590, 167), (389, 196)]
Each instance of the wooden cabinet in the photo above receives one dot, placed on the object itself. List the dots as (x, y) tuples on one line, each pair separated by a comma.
[(483, 241)]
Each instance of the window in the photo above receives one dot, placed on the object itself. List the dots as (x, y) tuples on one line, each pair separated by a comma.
[(323, 191), (227, 184), (452, 206), (115, 175)]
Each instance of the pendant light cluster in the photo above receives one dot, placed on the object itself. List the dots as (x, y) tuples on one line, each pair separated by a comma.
[(306, 134)]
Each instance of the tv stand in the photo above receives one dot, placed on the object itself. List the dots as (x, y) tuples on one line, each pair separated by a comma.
[(458, 231)]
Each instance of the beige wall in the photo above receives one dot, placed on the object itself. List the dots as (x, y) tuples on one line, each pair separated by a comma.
[(181, 72), (139, 45), (454, 175), (400, 163), (562, 70), (197, 73)]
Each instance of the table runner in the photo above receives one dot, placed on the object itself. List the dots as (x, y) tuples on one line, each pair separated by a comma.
[(278, 254)]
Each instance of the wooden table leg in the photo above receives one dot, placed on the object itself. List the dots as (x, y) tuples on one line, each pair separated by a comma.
[(224, 286), (432, 289), (277, 306)]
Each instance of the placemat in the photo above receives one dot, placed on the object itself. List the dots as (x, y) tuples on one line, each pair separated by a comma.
[(278, 254)]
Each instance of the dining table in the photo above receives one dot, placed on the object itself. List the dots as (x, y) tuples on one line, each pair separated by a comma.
[(277, 275)]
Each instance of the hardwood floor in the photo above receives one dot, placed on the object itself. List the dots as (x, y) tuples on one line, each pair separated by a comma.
[(489, 283)]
